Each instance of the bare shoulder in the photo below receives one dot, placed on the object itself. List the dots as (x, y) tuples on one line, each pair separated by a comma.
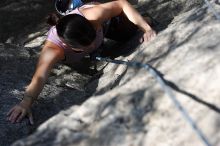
[(102, 11), (54, 50)]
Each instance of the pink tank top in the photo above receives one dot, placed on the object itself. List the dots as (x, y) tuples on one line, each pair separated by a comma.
[(71, 55)]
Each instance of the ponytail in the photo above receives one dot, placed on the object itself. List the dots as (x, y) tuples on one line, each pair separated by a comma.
[(52, 19)]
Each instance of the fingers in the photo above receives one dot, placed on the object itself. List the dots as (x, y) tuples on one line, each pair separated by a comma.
[(10, 111), (13, 117), (16, 114), (141, 40), (149, 35), (31, 118), (153, 34), (21, 116)]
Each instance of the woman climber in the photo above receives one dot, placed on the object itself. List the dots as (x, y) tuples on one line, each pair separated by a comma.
[(75, 35)]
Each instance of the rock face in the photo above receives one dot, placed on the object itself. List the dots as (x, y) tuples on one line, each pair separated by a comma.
[(119, 105), (19, 19)]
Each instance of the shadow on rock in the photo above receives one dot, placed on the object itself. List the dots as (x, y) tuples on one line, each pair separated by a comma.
[(65, 88), (21, 18)]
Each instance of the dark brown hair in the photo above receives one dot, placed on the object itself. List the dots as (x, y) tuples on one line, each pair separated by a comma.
[(53, 18), (76, 30)]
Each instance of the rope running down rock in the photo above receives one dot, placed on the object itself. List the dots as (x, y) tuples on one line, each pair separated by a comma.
[(159, 77)]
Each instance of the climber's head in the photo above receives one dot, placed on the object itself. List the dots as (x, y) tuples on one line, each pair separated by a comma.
[(64, 6), (76, 31)]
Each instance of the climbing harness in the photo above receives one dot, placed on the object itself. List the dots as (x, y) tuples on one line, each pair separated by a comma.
[(163, 82), (212, 9)]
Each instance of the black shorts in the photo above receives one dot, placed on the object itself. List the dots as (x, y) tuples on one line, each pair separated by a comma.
[(121, 29)]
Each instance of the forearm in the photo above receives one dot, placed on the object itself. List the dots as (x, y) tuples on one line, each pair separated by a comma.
[(49, 56), (134, 16), (33, 90)]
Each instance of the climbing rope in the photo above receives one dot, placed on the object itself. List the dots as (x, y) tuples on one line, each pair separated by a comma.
[(166, 88), (212, 9), (159, 78)]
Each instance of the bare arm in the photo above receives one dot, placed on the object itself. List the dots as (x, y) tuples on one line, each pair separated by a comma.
[(50, 54), (105, 11)]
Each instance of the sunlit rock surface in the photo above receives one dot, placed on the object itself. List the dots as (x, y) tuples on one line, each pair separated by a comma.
[(121, 106)]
